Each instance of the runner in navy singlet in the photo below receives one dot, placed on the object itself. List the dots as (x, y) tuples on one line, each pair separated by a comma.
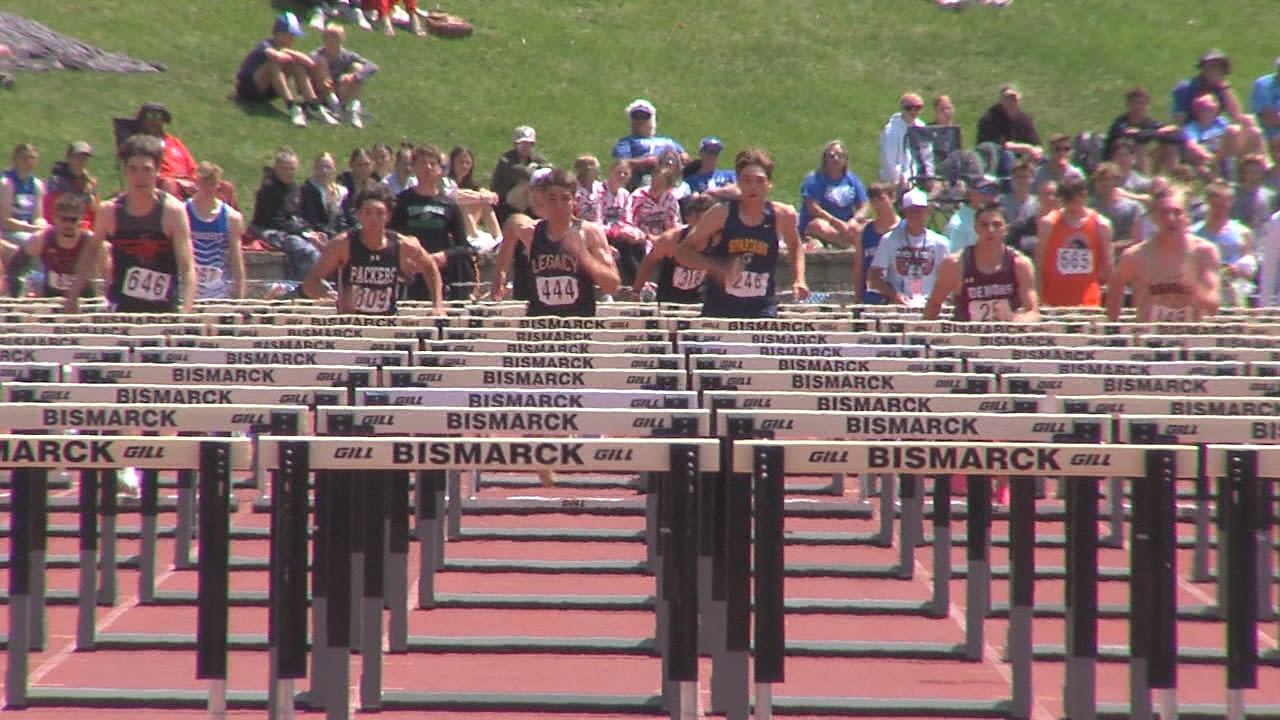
[(568, 258), (372, 261), (216, 228), (676, 283), (59, 248), (151, 256), (988, 282), (741, 262)]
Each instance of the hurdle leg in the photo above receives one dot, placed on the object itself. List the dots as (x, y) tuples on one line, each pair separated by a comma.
[(107, 571), (39, 479), (978, 583), (1240, 519), (1266, 578), (1203, 518), (148, 511), (454, 532), (440, 521), (866, 491), (317, 693), (1220, 557), (375, 508), (1022, 565), (212, 612), (358, 518), (885, 537), (338, 614), (287, 631), (1115, 514), (941, 547), (86, 622), (1080, 689), (398, 563), (770, 592), (837, 485), (20, 512), (909, 494), (184, 520), (650, 521), (429, 535)]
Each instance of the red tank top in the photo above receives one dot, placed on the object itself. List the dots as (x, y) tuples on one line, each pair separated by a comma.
[(981, 293), (1070, 273), (59, 262)]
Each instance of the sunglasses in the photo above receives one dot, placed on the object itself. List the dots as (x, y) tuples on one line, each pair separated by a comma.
[(834, 155), (912, 108)]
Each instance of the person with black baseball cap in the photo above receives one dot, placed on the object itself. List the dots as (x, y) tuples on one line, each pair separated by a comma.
[(1214, 68)]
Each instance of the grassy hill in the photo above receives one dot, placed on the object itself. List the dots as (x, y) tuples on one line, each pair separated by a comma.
[(787, 76)]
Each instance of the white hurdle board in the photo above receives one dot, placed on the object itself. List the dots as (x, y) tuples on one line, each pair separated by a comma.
[(483, 397), (111, 417), (107, 453), (104, 393), (876, 402), (481, 377), (559, 360), (179, 374), (438, 420), (934, 426)]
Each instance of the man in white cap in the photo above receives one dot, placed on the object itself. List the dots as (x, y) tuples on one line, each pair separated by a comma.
[(643, 147), (506, 174), (909, 257)]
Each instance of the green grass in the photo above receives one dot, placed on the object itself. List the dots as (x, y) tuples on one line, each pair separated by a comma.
[(786, 75)]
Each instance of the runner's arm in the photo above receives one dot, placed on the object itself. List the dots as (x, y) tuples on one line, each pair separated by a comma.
[(1120, 280), (1028, 299), (664, 247), (333, 256), (104, 225), (945, 284), (690, 250), (235, 253), (419, 260), (597, 258), (178, 227), (788, 226), (1206, 293), (515, 234), (1105, 235)]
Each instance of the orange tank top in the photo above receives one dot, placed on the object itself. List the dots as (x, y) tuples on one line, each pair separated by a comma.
[(1070, 274)]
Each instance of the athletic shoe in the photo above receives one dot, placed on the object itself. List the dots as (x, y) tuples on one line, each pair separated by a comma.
[(130, 483), (297, 116), (355, 115), (316, 20), (322, 113), (399, 16), (356, 15)]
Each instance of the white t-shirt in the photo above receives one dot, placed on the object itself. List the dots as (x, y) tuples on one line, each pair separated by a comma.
[(911, 263)]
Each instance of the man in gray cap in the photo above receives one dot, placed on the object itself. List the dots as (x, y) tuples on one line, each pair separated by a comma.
[(71, 176), (507, 173)]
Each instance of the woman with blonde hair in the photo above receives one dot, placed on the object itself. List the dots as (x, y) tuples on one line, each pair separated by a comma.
[(586, 200), (322, 197)]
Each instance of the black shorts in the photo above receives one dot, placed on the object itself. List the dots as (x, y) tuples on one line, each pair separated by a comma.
[(247, 91)]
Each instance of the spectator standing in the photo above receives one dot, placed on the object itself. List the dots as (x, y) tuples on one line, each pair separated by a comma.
[(71, 176), (1123, 212), (269, 68), (1254, 202), (277, 219), (961, 230), (1234, 242), (1269, 263), (216, 228), (430, 215), (1073, 250), (881, 198), (706, 178), (340, 75), (506, 174), (833, 200), (1010, 129), (643, 146), (907, 260), (899, 160), (321, 198), (1214, 67)]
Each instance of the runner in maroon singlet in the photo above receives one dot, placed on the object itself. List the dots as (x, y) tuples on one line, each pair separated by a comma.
[(59, 248), (990, 282)]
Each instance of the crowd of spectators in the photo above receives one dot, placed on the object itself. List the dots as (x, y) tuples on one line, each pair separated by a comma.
[(1228, 149)]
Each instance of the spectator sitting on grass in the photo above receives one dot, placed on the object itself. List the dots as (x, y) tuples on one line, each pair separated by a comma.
[(1137, 125), (898, 161), (643, 147), (340, 75), (384, 160), (1264, 101), (177, 175), (944, 111), (1011, 130), (1211, 142), (1214, 67), (833, 200), (277, 219), (266, 72), (71, 177)]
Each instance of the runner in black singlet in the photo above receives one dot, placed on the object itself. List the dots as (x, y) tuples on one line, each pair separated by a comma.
[(741, 263), (568, 258), (676, 283), (372, 261), (989, 282), (151, 254)]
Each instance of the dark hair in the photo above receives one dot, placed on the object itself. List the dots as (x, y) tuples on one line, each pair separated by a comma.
[(465, 182), (378, 192), (145, 145), (558, 178), (700, 204), (882, 190), (1123, 144), (425, 150), (69, 203), (754, 156), (1137, 92), (989, 208), (1024, 164), (1071, 188)]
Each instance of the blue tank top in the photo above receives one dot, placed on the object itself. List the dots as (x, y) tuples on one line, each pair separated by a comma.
[(751, 293), (210, 240), (24, 196), (1229, 239)]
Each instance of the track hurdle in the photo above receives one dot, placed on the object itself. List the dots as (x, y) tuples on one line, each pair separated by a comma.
[(353, 459), (770, 461), (32, 456)]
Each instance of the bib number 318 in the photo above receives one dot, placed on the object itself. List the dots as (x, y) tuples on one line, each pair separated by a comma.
[(144, 284)]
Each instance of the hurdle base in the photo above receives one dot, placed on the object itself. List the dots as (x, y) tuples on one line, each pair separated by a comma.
[(1192, 613), (131, 698), (530, 702), (1116, 711), (1121, 654), (257, 598), (553, 534), (840, 606), (861, 649), (876, 707), (545, 567)]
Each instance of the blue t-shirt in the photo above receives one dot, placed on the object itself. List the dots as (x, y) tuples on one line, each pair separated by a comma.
[(1187, 91), (840, 197), (870, 242), (634, 146), (1266, 94), (702, 182), (1209, 136)]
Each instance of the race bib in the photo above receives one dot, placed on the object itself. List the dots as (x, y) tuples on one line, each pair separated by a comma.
[(1075, 261), (749, 285), (557, 290), (994, 310), (145, 284), (59, 281), (1164, 313), (209, 277), (370, 299), (687, 278)]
